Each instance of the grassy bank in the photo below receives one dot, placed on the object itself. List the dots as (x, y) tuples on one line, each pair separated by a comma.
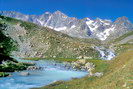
[(56, 59), (34, 59), (117, 75)]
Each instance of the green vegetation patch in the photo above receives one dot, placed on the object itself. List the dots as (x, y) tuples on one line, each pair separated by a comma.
[(3, 74), (10, 66), (6, 43), (35, 58), (117, 75)]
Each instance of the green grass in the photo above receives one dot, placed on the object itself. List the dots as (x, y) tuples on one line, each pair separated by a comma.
[(100, 65), (28, 25), (120, 48), (65, 59), (117, 72), (34, 59)]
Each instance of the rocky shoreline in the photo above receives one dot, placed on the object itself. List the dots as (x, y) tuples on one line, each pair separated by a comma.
[(82, 64), (79, 65), (7, 67)]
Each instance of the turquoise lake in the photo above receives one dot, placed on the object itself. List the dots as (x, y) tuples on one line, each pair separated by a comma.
[(37, 78)]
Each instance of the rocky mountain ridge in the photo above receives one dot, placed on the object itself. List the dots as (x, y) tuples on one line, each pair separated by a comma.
[(81, 28)]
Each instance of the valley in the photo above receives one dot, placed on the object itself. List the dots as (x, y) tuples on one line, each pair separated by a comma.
[(47, 48)]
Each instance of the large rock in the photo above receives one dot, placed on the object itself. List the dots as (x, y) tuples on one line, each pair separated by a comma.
[(24, 73), (81, 61), (98, 74), (75, 64), (34, 68), (81, 64), (89, 66)]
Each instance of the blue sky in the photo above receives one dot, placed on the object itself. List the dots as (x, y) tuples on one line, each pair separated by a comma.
[(105, 9)]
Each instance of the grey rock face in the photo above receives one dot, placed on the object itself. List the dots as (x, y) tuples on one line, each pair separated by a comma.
[(84, 28), (122, 25)]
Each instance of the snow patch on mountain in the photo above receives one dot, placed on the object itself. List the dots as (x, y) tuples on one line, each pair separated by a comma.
[(41, 22), (73, 26), (82, 28), (89, 22), (103, 35), (48, 20), (50, 27), (60, 28)]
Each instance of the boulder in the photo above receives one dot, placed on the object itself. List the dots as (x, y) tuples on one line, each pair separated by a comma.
[(82, 61), (90, 73), (80, 57), (98, 74), (33, 68), (89, 66), (24, 73), (75, 64)]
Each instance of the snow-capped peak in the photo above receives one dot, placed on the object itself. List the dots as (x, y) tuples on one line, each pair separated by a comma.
[(88, 19), (85, 28), (47, 13), (59, 13)]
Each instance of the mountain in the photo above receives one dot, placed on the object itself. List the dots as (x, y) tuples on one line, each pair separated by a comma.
[(33, 41), (41, 42), (102, 29)]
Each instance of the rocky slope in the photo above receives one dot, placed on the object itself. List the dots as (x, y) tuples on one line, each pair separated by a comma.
[(38, 41), (116, 74), (7, 63), (84, 28), (124, 39)]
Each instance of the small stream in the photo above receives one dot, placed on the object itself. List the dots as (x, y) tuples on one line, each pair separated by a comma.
[(105, 54), (37, 78)]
